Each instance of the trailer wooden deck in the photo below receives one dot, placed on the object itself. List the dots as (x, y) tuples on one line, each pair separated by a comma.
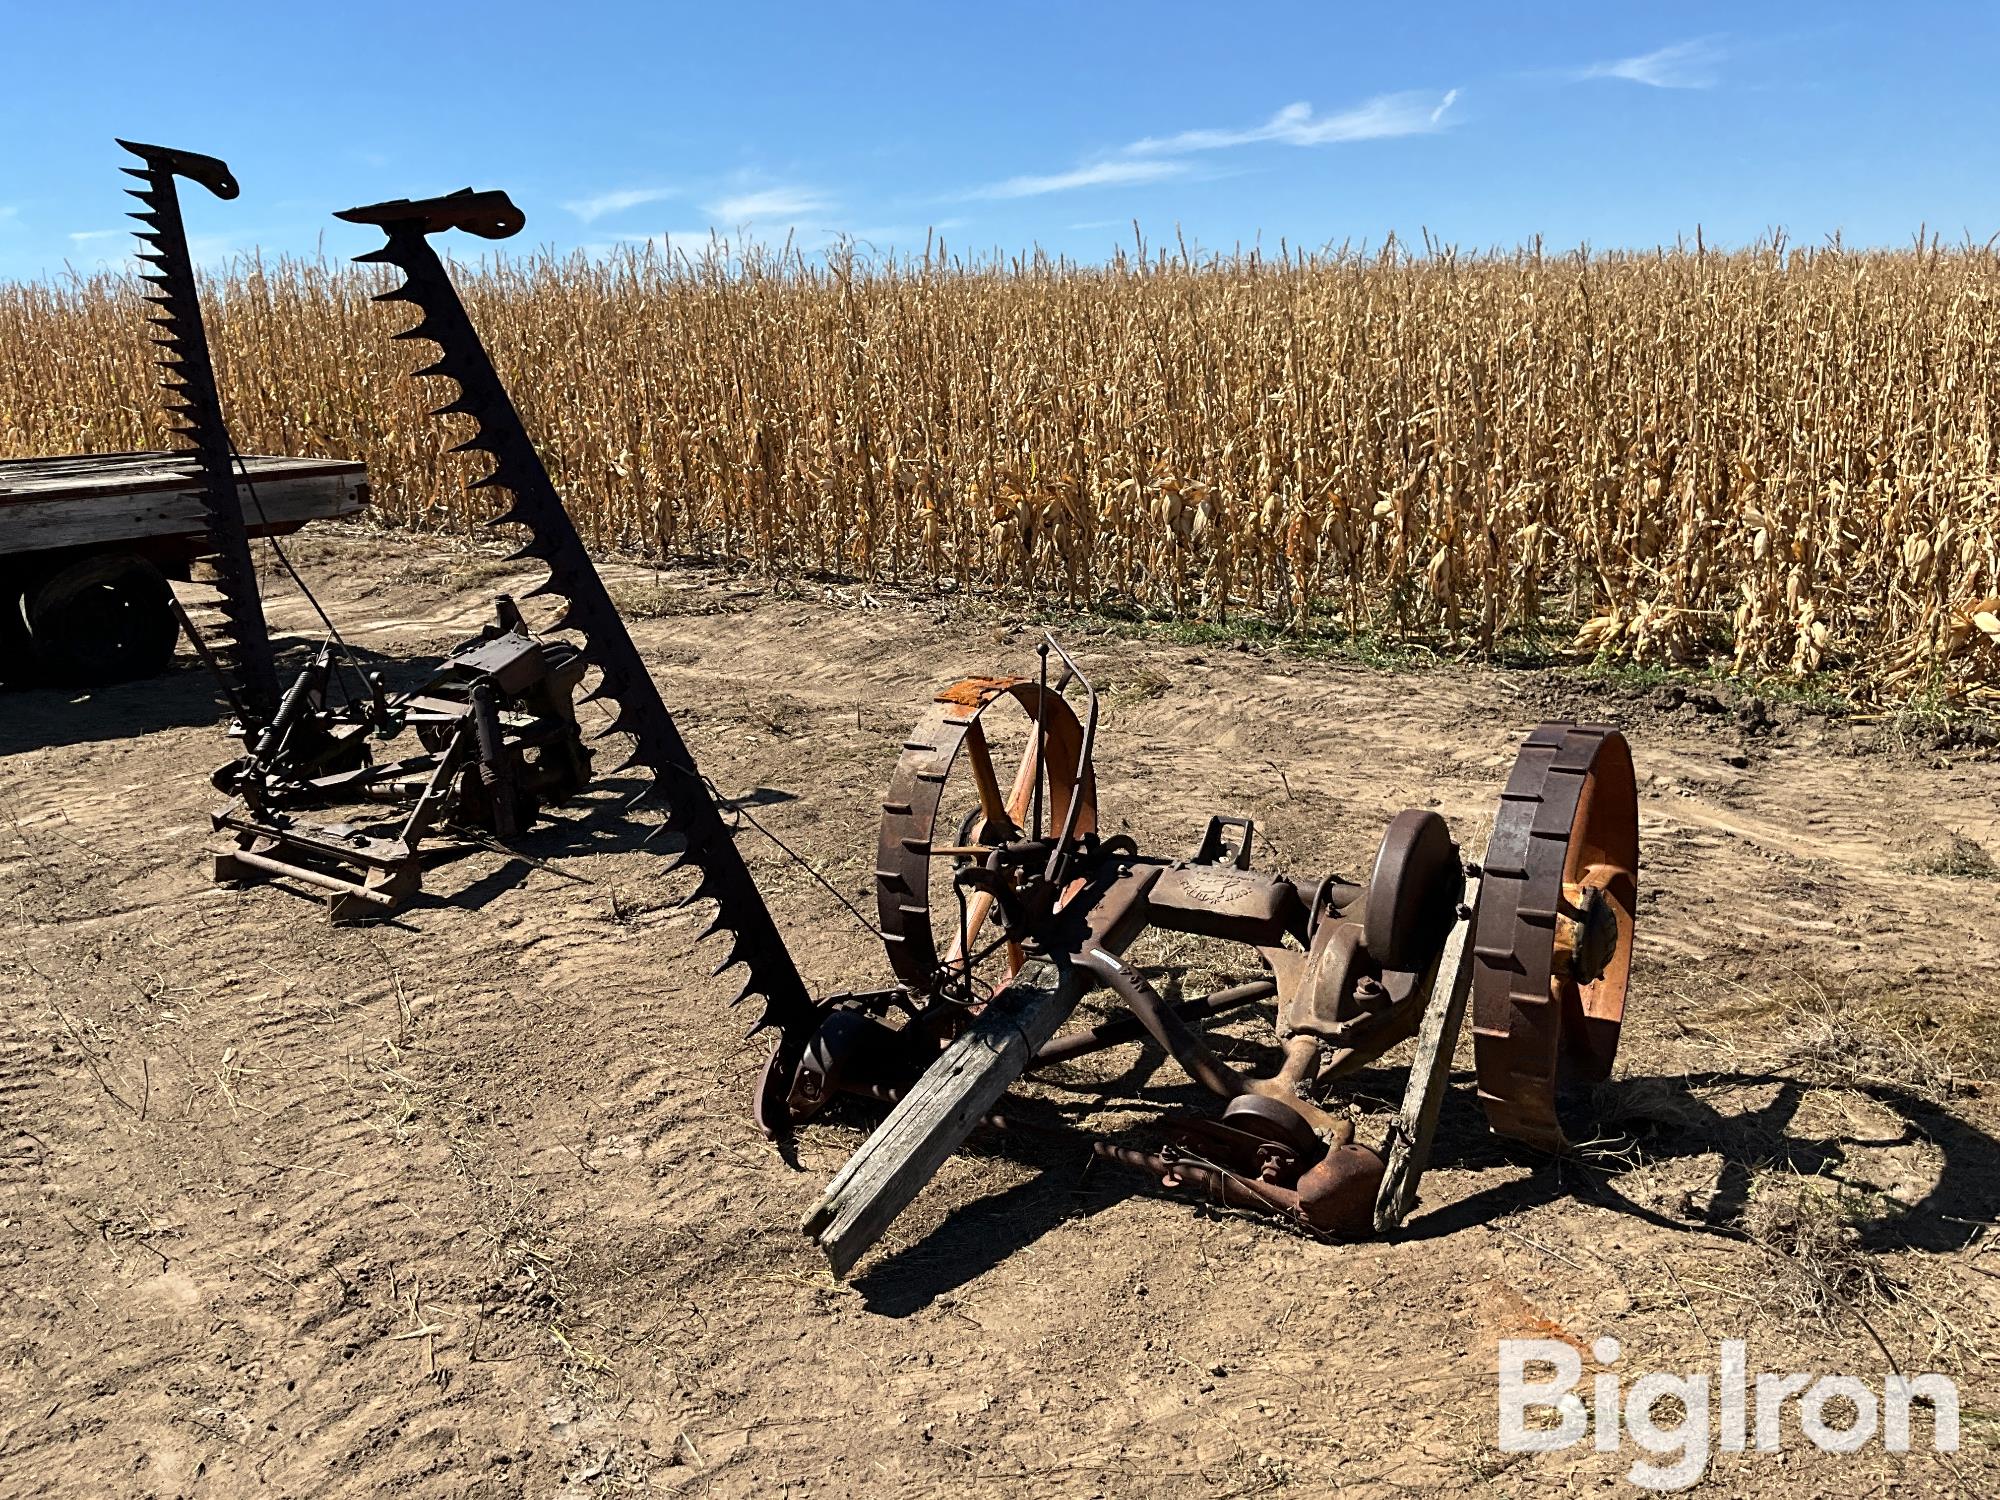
[(100, 499)]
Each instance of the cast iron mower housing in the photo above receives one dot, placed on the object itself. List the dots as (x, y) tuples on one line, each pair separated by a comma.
[(1003, 903), (497, 726)]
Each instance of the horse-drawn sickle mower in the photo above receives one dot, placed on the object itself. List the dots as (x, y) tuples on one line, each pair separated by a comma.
[(1541, 933), (1003, 903)]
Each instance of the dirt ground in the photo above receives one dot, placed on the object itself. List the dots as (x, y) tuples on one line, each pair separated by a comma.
[(469, 1203)]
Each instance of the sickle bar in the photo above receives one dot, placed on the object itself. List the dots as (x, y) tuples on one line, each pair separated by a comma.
[(189, 378), (588, 610)]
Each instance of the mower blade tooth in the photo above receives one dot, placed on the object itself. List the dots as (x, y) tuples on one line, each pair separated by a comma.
[(737, 954), (549, 588), (708, 888), (195, 426), (479, 442)]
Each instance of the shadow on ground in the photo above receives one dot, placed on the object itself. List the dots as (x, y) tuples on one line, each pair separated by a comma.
[(1642, 1121)]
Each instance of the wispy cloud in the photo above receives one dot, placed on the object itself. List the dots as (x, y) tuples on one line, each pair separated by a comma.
[(83, 236), (1385, 116), (8, 211), (1113, 173), (768, 204), (592, 209), (1695, 64), (1158, 158)]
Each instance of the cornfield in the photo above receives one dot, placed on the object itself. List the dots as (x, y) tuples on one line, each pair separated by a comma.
[(1778, 460)]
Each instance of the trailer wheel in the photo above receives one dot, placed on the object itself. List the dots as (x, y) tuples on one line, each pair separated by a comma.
[(107, 618)]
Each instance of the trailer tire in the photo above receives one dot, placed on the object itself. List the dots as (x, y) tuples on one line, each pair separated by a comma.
[(99, 619)]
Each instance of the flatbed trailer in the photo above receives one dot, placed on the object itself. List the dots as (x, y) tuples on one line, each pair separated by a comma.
[(89, 541)]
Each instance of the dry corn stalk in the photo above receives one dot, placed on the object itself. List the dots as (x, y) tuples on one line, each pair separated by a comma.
[(1779, 456)]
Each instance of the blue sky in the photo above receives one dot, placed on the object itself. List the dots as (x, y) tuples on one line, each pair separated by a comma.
[(1005, 126)]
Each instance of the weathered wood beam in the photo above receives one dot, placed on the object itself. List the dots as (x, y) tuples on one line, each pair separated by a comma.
[(1413, 1130), (940, 1111)]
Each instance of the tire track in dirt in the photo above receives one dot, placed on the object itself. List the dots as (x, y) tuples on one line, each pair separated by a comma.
[(301, 1068)]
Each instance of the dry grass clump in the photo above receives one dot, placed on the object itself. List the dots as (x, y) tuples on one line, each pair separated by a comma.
[(1818, 1260), (1960, 858), (1781, 457), (1933, 1040)]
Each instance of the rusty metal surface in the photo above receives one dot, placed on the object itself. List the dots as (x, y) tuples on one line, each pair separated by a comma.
[(908, 836), (1350, 965), (1225, 901), (1568, 823), (490, 215), (1412, 892), (497, 723)]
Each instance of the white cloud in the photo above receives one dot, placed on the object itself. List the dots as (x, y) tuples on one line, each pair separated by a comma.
[(80, 236), (1111, 173), (1386, 115), (592, 209), (767, 204), (1157, 158), (1685, 65)]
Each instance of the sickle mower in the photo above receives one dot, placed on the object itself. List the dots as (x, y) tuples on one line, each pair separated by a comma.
[(495, 722), (1003, 903), (997, 924)]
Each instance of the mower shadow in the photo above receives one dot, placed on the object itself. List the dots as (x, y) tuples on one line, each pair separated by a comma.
[(42, 716), (1644, 1120), (978, 1236), (614, 815)]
